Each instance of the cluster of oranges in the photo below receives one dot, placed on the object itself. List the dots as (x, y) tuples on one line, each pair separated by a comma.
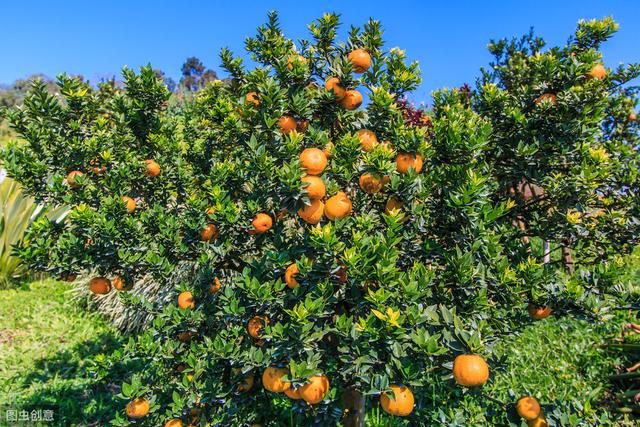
[(529, 409), (313, 391)]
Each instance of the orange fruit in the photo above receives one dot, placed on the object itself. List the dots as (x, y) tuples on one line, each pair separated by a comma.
[(261, 223), (338, 206), (137, 408), (360, 59), (215, 286), (333, 84), (153, 168), (368, 139), (352, 99), (282, 213), (99, 170), (632, 117), (185, 300), (315, 390), (289, 276), (405, 161), (550, 97), (402, 403), (100, 285), (342, 275), (293, 393), (176, 422), (470, 370), (541, 421), (370, 184), (287, 124), (71, 178), (211, 210), (313, 160), (295, 58), (121, 285), (392, 204), (598, 72), (69, 277), (538, 312), (315, 187), (208, 232), (312, 213), (328, 149), (272, 379), (130, 204), (251, 98), (256, 324), (528, 408), (302, 125), (247, 384)]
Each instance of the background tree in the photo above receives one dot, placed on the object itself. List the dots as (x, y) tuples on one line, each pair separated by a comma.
[(194, 74)]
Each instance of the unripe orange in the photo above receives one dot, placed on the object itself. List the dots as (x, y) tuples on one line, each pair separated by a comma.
[(315, 390), (208, 232), (528, 408), (289, 276), (538, 312), (368, 139), (405, 161), (470, 370), (352, 99), (153, 168), (261, 223), (287, 124), (333, 84), (71, 178), (338, 206), (312, 213), (272, 379), (370, 184), (185, 300), (313, 160), (137, 408), (130, 204), (598, 72), (315, 187), (402, 404), (360, 59), (100, 285)]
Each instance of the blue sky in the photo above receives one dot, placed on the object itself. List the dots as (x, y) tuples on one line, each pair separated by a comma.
[(449, 39)]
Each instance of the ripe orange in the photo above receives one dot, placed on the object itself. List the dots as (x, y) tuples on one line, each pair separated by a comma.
[(550, 97), (538, 312), (338, 206), (352, 99), (293, 393), (360, 59), (313, 160), (405, 161), (368, 139), (333, 84), (121, 285), (153, 168), (137, 408), (598, 72), (210, 231), (342, 275), (247, 384), (99, 170), (256, 324), (71, 178), (315, 187), (100, 285), (328, 149), (130, 204), (252, 99), (370, 183), (541, 421), (185, 300), (272, 379), (215, 286), (528, 408), (401, 405), (392, 204), (289, 276), (176, 422), (261, 223), (632, 117), (312, 213), (296, 58), (287, 124), (470, 370), (302, 125), (315, 390)]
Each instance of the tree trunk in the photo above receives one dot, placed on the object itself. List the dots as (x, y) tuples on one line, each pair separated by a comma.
[(567, 259), (354, 405), (546, 249)]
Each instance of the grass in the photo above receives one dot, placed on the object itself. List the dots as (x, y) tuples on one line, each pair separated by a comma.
[(50, 358)]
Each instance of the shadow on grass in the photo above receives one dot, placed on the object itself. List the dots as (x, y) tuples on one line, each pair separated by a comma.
[(78, 384)]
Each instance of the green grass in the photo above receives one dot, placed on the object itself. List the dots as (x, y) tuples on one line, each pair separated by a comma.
[(50, 357)]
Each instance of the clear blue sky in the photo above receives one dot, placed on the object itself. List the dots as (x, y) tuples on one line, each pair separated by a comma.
[(448, 38)]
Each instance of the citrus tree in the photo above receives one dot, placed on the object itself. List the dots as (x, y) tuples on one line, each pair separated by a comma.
[(343, 251)]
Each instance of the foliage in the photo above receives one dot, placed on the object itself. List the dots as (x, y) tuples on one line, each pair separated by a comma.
[(384, 296)]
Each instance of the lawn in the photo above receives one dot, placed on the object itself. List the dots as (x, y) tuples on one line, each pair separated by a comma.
[(50, 358)]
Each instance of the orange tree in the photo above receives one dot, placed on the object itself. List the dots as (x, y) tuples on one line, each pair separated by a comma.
[(338, 250)]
